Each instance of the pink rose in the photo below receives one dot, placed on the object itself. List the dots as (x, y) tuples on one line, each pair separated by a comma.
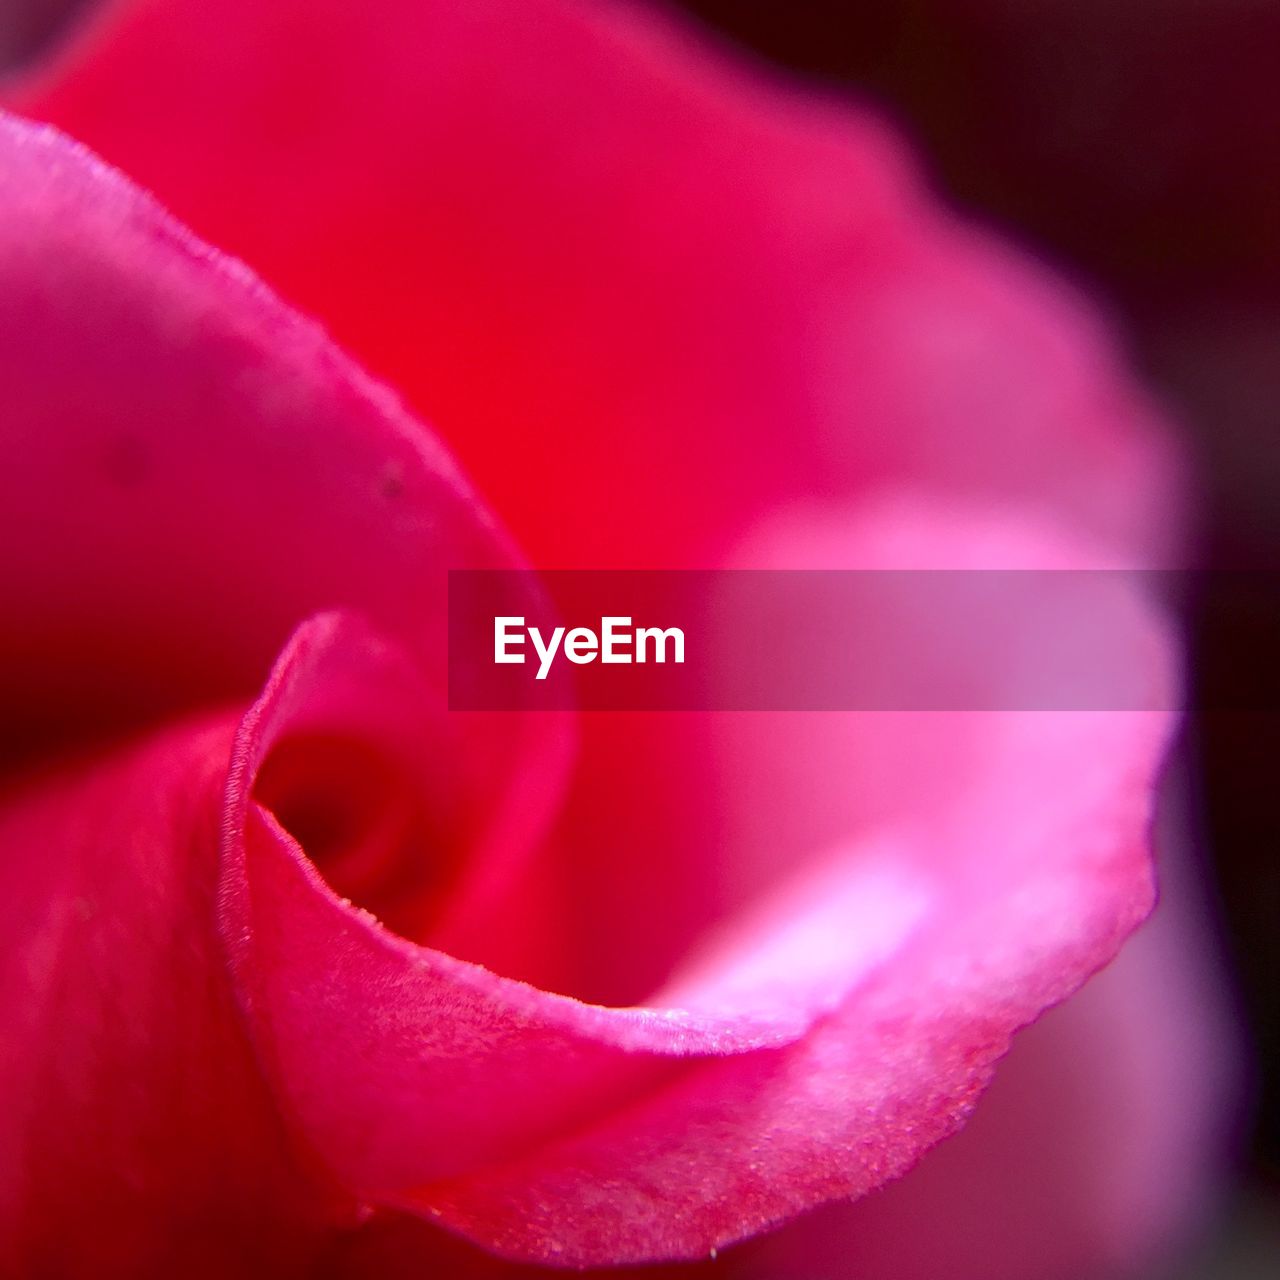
[(306, 973)]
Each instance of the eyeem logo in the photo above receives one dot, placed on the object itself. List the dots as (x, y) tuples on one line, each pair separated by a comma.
[(820, 639), (615, 642)]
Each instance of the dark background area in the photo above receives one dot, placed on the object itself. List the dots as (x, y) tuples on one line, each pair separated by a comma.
[(1134, 144)]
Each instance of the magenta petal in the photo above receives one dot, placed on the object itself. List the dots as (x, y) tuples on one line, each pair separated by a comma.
[(600, 253), (190, 469), (775, 1074), (1101, 1146), (748, 1140), (787, 1072), (193, 469), (405, 1065), (138, 1136), (1094, 1152)]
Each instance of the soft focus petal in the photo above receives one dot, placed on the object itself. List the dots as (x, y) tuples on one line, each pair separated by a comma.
[(738, 1112), (599, 255), (194, 469), (190, 468), (794, 1064), (138, 1136), (1099, 1148), (489, 259), (647, 297)]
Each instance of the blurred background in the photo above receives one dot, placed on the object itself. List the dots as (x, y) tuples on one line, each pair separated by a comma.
[(1134, 144)]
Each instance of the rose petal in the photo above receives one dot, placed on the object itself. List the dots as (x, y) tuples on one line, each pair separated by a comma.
[(598, 253), (1101, 1146), (193, 469), (725, 1128), (190, 468), (137, 1134), (678, 296), (725, 1151), (1097, 1148), (220, 469), (553, 1131)]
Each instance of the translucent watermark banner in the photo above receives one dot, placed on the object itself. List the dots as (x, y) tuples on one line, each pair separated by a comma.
[(827, 640)]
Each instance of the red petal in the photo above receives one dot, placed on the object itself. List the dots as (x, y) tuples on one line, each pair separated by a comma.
[(138, 1136), (1096, 1150), (799, 1063), (1101, 1146), (911, 350), (599, 255), (190, 468)]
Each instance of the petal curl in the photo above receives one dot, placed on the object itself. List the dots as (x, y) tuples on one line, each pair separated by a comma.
[(1100, 1146), (190, 469), (193, 470), (776, 1074)]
